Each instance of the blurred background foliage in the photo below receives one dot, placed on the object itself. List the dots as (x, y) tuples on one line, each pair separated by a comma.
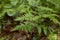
[(42, 14)]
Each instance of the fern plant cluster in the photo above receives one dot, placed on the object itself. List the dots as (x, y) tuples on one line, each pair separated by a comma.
[(42, 14)]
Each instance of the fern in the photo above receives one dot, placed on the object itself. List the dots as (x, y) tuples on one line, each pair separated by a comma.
[(34, 12)]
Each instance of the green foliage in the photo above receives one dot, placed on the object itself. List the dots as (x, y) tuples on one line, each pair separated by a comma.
[(27, 26), (1, 38), (52, 36), (34, 12)]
